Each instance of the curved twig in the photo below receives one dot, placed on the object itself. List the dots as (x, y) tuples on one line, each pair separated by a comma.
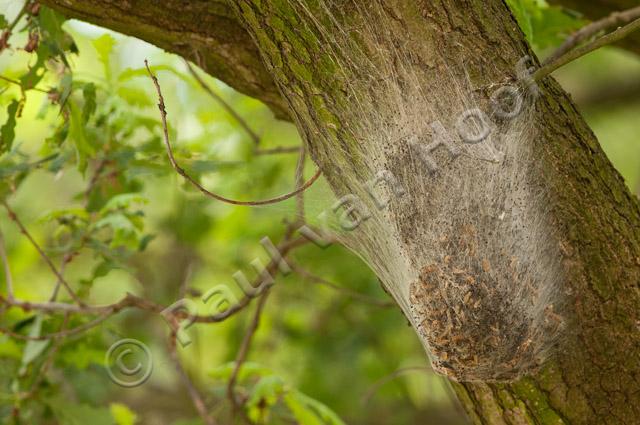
[(376, 386), (346, 291), (183, 173)]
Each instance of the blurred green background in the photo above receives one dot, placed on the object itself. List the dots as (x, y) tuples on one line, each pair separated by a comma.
[(137, 227)]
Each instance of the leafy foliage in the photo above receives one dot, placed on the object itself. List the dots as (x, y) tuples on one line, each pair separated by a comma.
[(544, 26)]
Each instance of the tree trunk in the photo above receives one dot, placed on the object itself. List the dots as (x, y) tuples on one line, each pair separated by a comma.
[(516, 256)]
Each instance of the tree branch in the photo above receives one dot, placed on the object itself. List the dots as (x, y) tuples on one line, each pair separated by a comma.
[(183, 173), (244, 349), (196, 397), (7, 269), (395, 374), (299, 180), (577, 53), (278, 150), (346, 291), (134, 301), (190, 28), (590, 30), (45, 257), (254, 136), (596, 9)]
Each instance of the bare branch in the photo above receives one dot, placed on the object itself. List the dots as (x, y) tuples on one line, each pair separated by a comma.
[(588, 31), (278, 150), (63, 264), (196, 397), (577, 53), (299, 180), (244, 349), (19, 16), (183, 173), (45, 257), (254, 136), (7, 270), (346, 291), (376, 386), (134, 301), (61, 334), (42, 372), (12, 81)]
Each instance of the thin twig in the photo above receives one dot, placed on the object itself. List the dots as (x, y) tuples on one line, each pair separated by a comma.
[(254, 136), (376, 386), (346, 291), (58, 341), (7, 269), (196, 397), (60, 334), (183, 173), (95, 178), (19, 16), (278, 150), (9, 80), (613, 20), (133, 301), (578, 52), (184, 285), (45, 257), (244, 349), (299, 180), (63, 264)]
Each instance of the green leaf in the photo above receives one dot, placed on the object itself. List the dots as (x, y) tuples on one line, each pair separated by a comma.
[(123, 201), (89, 108), (66, 85), (68, 413), (9, 348), (553, 26), (38, 69), (122, 414), (104, 47), (64, 213), (523, 11), (301, 411), (33, 349), (543, 25), (327, 415), (3, 22), (8, 130), (124, 230), (135, 96), (77, 133), (55, 41), (264, 395), (81, 355)]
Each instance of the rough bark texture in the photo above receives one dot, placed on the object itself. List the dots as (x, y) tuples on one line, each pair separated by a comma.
[(338, 84)]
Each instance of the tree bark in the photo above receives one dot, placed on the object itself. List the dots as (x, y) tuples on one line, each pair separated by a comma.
[(520, 272)]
